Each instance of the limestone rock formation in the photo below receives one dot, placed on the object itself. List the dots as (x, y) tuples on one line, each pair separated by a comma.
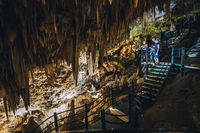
[(72, 122), (30, 126), (39, 33)]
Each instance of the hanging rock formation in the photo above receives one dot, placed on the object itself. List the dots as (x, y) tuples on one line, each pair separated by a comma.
[(35, 33)]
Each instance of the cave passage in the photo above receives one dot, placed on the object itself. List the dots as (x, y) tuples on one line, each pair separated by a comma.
[(99, 66)]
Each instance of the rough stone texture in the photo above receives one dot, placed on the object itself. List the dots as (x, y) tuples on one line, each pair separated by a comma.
[(30, 126), (178, 105), (52, 92), (69, 123)]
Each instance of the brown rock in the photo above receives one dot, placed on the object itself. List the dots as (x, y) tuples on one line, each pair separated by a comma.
[(30, 126), (72, 122)]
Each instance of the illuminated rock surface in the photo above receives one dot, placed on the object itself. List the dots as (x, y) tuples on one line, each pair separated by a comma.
[(54, 92)]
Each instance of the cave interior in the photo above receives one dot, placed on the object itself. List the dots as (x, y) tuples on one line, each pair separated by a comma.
[(99, 66)]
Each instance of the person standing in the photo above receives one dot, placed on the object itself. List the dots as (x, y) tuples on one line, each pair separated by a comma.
[(152, 50), (156, 51), (144, 47)]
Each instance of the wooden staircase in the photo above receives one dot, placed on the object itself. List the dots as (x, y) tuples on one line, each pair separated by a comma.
[(154, 80)]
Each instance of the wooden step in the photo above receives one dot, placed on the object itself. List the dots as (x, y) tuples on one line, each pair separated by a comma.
[(162, 67), (153, 99), (115, 111), (155, 76), (160, 64), (159, 69), (165, 63), (154, 80), (158, 73), (152, 70), (143, 92), (152, 84), (148, 93), (150, 89)]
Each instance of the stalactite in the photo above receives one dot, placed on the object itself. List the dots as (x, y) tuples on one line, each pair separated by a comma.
[(75, 59), (25, 97), (36, 33), (6, 107), (90, 64), (110, 1)]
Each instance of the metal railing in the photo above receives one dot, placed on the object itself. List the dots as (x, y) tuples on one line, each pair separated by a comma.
[(83, 113), (139, 130), (175, 56), (131, 114), (183, 60)]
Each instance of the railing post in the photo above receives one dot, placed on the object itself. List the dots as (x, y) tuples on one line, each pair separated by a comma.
[(141, 58), (172, 56), (86, 117), (182, 60), (56, 122), (130, 109), (112, 97), (146, 56), (146, 60), (103, 121)]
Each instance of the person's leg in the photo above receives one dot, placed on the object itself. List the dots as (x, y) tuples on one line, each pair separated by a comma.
[(152, 57), (156, 59)]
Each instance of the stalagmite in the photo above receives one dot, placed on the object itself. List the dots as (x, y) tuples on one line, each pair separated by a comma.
[(72, 122)]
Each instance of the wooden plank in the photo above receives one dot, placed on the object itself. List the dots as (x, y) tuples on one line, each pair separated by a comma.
[(154, 80), (165, 63), (157, 73), (155, 76), (159, 69), (148, 93), (115, 111), (161, 66), (152, 89), (152, 84)]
